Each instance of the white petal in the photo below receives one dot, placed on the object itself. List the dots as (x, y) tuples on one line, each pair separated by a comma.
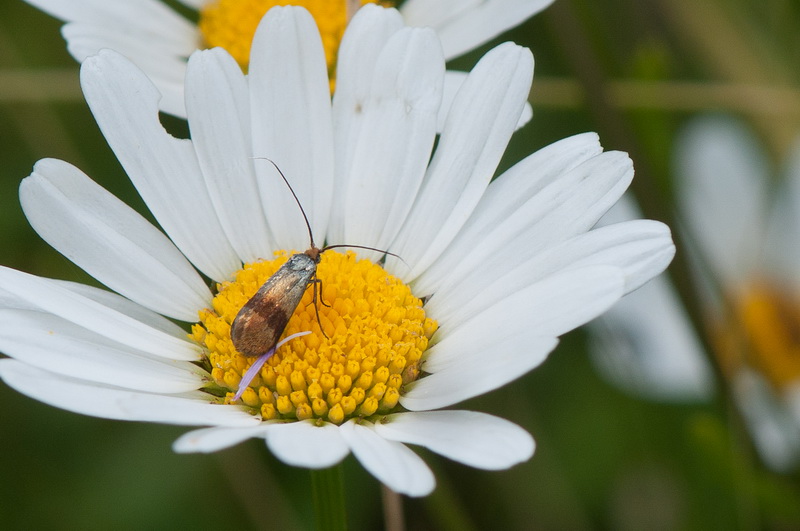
[(11, 301), (291, 124), (475, 439), (307, 445), (553, 306), (52, 297), (165, 71), (791, 399), (163, 168), (782, 254), (111, 403), (524, 325), (367, 32), (568, 206), (56, 345), (361, 46), (526, 116), (148, 19), (641, 248), (110, 241), (394, 464), (153, 36), (124, 306), (554, 303), (645, 344), (219, 119), (156, 58), (722, 178), (466, 24), (365, 38), (465, 348), (774, 427), (529, 176), (453, 80), (385, 144), (207, 440), (653, 238), (472, 372), (477, 130)]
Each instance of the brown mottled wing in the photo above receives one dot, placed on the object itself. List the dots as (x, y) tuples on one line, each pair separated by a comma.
[(260, 323)]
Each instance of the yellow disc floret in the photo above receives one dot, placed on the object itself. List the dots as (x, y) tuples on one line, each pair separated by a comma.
[(772, 323), (762, 333), (231, 24), (376, 333)]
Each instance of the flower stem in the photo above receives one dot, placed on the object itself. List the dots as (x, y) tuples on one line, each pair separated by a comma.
[(327, 488), (392, 510)]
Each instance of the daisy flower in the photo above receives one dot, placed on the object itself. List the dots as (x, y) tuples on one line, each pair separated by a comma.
[(159, 39), (492, 272), (744, 233), (646, 344)]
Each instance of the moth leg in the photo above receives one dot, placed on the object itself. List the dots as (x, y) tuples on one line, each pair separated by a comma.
[(318, 298), (318, 281)]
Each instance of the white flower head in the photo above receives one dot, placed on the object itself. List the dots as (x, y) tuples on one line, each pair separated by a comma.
[(492, 272), (159, 40), (743, 233)]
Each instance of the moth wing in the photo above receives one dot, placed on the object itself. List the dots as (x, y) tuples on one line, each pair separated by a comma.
[(261, 321)]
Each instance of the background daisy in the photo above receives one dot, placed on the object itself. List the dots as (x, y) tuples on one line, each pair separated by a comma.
[(744, 233), (159, 38), (646, 343)]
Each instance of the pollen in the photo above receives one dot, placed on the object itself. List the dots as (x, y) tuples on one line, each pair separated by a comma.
[(231, 24), (765, 336), (375, 333)]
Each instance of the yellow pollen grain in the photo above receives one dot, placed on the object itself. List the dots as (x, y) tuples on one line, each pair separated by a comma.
[(358, 371), (231, 24)]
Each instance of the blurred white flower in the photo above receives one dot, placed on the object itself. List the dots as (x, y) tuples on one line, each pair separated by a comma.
[(645, 344), (159, 39), (743, 228)]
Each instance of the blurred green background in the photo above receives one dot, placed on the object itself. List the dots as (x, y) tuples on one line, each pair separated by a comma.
[(632, 70)]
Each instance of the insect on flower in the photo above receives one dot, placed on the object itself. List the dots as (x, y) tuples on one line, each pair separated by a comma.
[(261, 321)]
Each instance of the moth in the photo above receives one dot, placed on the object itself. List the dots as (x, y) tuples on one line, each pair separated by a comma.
[(261, 321)]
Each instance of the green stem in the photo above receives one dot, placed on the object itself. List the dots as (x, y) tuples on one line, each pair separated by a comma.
[(327, 487)]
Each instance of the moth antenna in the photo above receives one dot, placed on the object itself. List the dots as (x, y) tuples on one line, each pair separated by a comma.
[(296, 200), (365, 247)]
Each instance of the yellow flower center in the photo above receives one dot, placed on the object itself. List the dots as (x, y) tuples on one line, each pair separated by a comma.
[(231, 24), (769, 341), (376, 333)]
